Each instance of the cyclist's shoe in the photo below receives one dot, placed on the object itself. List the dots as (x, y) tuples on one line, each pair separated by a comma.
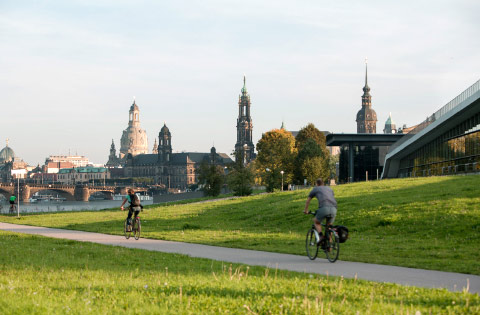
[(129, 228)]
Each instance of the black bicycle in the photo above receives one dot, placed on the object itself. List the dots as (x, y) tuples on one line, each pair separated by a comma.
[(134, 228), (330, 244)]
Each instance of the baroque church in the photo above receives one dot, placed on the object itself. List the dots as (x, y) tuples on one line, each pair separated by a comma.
[(366, 116), (244, 143), (167, 169)]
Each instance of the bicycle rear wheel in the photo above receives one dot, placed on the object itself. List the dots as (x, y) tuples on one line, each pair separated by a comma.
[(311, 245), (136, 228), (125, 231), (332, 248)]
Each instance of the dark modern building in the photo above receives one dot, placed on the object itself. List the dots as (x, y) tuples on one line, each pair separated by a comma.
[(244, 126), (447, 142), (362, 156)]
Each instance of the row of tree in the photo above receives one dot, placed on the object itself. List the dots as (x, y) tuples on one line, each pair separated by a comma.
[(281, 159)]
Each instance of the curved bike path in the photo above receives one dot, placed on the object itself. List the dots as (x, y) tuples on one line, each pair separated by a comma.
[(379, 273)]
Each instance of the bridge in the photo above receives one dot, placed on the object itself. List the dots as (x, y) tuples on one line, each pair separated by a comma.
[(69, 192)]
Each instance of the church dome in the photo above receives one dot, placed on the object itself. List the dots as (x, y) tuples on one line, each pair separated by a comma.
[(6, 155), (164, 129)]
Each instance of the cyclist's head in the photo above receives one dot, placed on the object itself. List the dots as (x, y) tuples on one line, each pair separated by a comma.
[(130, 191), (319, 182)]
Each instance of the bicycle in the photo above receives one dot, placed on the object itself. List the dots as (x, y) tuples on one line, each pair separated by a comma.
[(135, 228), (330, 244)]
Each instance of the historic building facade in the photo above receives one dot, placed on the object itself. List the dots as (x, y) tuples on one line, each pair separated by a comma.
[(11, 166), (366, 116), (134, 138), (244, 126), (162, 166), (168, 169)]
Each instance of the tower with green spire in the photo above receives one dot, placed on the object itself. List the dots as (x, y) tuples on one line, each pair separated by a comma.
[(244, 126)]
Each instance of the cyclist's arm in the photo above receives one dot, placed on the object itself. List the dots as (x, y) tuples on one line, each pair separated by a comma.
[(307, 204), (124, 200)]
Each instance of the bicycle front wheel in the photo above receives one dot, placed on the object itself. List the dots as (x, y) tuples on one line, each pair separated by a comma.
[(311, 245), (125, 230), (136, 229), (332, 249)]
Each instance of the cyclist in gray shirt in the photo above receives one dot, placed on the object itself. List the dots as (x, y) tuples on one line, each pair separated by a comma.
[(327, 205)]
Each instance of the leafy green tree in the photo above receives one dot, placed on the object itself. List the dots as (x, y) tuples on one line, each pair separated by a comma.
[(310, 132), (276, 153), (211, 177), (312, 169), (240, 177), (313, 157), (332, 166)]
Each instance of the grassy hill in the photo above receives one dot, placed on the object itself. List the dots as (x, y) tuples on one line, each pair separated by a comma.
[(430, 223)]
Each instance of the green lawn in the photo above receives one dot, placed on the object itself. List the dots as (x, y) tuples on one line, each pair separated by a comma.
[(430, 223), (39, 275)]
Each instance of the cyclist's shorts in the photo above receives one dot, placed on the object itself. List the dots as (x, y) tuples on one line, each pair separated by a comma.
[(12, 202), (321, 213)]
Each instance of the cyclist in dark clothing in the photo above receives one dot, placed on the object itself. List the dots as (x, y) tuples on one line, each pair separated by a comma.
[(134, 207), (327, 205)]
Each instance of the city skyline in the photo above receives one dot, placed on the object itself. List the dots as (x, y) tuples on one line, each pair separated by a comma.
[(70, 70)]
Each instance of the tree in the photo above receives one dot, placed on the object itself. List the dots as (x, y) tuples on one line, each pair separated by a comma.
[(312, 169), (313, 157), (276, 153), (240, 177), (211, 177), (310, 132)]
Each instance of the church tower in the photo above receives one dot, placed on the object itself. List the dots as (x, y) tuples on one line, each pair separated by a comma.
[(112, 158), (134, 138), (366, 117), (390, 126), (244, 126), (155, 147), (165, 144)]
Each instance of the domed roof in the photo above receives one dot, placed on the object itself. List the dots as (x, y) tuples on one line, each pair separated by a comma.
[(6, 155), (366, 113), (164, 129)]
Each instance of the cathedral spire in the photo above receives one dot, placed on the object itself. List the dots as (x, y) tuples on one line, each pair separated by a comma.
[(366, 88), (244, 89)]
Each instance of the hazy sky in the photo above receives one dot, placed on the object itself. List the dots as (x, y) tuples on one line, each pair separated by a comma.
[(69, 69)]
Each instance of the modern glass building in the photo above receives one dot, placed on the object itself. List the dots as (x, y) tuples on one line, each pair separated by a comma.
[(361, 154), (447, 142)]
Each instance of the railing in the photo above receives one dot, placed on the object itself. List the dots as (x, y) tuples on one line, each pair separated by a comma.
[(474, 88)]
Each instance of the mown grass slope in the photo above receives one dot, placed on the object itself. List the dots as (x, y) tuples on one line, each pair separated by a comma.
[(430, 223), (39, 275)]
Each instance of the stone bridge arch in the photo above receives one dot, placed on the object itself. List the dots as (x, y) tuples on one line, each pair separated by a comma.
[(7, 191)]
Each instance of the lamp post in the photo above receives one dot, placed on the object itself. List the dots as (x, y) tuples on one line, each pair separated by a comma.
[(18, 194), (281, 172)]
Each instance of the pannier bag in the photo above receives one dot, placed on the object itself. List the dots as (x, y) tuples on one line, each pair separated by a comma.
[(342, 232)]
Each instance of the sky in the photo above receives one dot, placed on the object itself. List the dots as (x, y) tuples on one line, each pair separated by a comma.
[(69, 70)]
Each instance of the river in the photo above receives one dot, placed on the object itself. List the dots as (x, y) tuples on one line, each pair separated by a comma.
[(55, 206)]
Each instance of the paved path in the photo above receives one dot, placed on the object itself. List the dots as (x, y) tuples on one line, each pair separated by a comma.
[(380, 273)]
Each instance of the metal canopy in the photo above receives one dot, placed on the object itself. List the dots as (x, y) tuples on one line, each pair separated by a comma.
[(374, 139)]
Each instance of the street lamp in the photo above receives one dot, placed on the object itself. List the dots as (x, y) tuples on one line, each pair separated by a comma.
[(281, 172), (18, 194)]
